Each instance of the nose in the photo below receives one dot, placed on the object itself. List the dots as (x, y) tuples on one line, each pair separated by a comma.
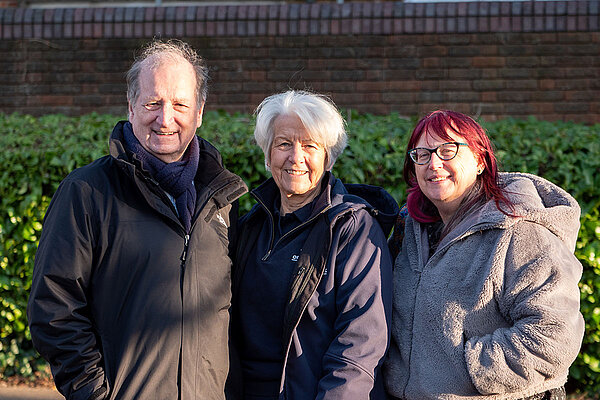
[(435, 162), (165, 115), (296, 153)]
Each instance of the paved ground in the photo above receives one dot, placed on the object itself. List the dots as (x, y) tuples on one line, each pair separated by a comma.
[(26, 393)]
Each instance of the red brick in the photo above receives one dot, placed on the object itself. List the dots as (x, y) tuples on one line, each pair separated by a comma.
[(454, 85), (374, 75), (488, 97), (55, 100), (488, 62), (371, 86), (431, 62), (547, 84), (408, 86), (489, 73), (372, 98)]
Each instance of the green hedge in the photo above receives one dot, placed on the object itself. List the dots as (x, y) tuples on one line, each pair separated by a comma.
[(37, 153)]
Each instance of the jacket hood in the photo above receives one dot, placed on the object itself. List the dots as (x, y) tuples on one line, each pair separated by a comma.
[(540, 201), (380, 204)]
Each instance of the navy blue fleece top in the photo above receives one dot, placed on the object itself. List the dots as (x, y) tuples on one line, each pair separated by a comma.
[(265, 290)]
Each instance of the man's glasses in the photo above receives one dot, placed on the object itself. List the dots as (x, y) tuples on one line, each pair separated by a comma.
[(445, 151)]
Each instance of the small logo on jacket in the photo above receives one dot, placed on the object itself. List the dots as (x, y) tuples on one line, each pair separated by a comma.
[(222, 220), (295, 257)]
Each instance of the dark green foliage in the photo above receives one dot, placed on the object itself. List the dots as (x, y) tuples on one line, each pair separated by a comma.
[(37, 153)]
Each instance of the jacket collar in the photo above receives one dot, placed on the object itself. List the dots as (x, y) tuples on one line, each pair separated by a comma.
[(268, 195), (212, 179), (337, 197)]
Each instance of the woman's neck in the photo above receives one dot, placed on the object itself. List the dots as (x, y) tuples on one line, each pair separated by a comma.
[(291, 203)]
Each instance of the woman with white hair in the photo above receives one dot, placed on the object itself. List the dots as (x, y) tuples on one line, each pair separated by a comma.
[(312, 280)]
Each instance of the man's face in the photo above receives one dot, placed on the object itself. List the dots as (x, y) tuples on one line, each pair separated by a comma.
[(165, 115)]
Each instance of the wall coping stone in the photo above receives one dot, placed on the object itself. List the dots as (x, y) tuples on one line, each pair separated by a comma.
[(359, 18)]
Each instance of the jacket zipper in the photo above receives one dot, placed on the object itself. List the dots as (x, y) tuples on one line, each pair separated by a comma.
[(183, 258), (186, 238), (289, 343), (272, 220)]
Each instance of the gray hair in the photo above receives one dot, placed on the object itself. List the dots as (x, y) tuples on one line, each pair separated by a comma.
[(157, 52), (318, 114)]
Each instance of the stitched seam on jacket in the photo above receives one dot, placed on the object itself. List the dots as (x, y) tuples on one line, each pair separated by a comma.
[(349, 361)]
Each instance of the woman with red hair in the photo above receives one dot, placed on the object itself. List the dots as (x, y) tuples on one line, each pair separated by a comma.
[(486, 301)]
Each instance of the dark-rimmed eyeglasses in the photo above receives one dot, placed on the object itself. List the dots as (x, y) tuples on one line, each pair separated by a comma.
[(445, 151)]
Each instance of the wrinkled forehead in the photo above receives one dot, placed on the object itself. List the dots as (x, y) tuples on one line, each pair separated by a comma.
[(173, 63)]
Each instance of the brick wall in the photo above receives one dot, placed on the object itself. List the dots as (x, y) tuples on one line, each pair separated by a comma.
[(494, 59)]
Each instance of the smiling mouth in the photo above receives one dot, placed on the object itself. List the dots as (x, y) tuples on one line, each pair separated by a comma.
[(438, 179), (159, 133), (295, 172)]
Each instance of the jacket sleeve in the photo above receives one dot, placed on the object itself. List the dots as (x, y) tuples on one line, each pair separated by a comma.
[(58, 310), (539, 297), (363, 300)]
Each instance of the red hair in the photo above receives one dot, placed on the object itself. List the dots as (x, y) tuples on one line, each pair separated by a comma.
[(438, 123)]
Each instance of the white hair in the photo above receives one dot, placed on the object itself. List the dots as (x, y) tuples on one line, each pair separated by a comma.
[(318, 114)]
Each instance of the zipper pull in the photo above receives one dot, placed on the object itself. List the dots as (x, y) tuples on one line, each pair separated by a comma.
[(266, 255), (186, 242)]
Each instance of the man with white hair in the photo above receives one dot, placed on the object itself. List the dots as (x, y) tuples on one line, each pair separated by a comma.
[(131, 287)]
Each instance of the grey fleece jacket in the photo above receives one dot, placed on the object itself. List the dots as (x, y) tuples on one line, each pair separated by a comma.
[(494, 313)]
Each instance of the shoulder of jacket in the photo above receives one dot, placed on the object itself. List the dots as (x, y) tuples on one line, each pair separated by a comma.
[(345, 211), (209, 149), (347, 221), (532, 232), (95, 171)]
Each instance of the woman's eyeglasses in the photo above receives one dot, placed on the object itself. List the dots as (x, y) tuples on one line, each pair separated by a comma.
[(445, 151)]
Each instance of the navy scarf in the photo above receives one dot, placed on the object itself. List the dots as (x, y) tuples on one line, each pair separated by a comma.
[(175, 178)]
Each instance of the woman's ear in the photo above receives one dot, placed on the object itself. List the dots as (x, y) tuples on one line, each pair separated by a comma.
[(480, 168)]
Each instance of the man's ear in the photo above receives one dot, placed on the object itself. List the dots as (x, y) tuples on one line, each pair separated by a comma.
[(130, 111), (200, 111)]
